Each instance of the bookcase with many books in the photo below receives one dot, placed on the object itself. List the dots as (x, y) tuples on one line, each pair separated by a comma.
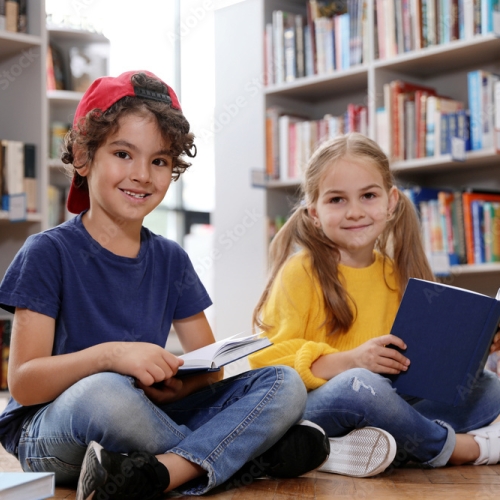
[(29, 108), (22, 112), (325, 71)]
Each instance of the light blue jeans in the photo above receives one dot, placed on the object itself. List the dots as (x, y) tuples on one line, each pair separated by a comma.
[(219, 428), (424, 430)]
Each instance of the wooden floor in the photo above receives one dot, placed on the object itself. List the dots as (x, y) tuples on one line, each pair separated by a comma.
[(448, 483)]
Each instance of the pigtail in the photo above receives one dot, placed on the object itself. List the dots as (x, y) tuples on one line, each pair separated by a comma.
[(403, 233), (300, 232)]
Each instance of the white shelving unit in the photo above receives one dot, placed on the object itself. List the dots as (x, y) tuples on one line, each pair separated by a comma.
[(27, 109), (240, 145), (62, 103), (23, 117)]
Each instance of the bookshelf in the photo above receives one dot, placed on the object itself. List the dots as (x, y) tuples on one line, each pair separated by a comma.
[(80, 53), (240, 146), (23, 111)]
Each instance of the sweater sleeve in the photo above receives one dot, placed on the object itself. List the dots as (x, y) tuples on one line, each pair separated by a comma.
[(295, 314)]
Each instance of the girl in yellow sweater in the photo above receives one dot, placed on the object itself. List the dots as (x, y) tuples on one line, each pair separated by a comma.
[(329, 306)]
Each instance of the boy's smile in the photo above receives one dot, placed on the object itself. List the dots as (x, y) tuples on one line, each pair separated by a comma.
[(352, 209), (131, 171)]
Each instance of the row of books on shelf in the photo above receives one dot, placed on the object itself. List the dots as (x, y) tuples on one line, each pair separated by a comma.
[(5, 331), (332, 36), (74, 68), (291, 139), (18, 173), (329, 36), (13, 16), (417, 122), (407, 25), (458, 227)]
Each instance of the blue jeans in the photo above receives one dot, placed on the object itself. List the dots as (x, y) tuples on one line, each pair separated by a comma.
[(424, 430), (220, 427)]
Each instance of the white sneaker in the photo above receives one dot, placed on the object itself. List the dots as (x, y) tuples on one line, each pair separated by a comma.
[(361, 453), (488, 439)]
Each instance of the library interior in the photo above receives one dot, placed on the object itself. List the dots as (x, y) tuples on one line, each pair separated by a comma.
[(279, 78)]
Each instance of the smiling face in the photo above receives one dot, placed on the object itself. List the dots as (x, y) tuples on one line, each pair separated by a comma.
[(130, 173), (353, 208)]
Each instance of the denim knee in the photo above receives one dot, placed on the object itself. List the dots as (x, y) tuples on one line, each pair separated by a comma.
[(358, 386), (292, 394), (104, 400)]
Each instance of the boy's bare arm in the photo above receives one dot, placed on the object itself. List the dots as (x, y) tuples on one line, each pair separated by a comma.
[(35, 376)]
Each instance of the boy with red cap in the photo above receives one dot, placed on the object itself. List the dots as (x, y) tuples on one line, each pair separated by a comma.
[(95, 395)]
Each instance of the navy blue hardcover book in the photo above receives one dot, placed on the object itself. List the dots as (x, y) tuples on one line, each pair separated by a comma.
[(448, 332)]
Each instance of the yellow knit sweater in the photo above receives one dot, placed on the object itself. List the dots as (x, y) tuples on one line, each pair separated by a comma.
[(295, 310)]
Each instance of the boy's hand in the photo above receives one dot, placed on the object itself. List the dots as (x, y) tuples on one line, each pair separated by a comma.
[(374, 355), (164, 392), (148, 363)]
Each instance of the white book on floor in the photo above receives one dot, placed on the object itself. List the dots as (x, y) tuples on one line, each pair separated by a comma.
[(213, 356), (26, 485)]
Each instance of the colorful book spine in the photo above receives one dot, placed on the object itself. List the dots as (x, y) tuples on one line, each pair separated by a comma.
[(474, 85)]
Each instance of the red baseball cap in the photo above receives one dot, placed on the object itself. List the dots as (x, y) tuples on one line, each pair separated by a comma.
[(101, 95)]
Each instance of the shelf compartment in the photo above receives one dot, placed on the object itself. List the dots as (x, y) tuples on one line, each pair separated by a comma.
[(14, 43)]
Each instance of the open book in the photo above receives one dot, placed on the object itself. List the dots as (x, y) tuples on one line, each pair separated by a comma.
[(213, 356), (448, 332)]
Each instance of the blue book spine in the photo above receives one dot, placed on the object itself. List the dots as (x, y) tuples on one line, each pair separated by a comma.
[(344, 33), (486, 16), (461, 28), (334, 47), (478, 231), (452, 127), (445, 25), (474, 91), (445, 134), (463, 127)]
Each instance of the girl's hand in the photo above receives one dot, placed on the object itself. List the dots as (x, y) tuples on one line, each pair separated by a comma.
[(164, 392), (374, 355), (148, 363), (495, 346)]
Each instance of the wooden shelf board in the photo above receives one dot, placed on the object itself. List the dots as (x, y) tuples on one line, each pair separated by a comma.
[(444, 58), (60, 33), (316, 88), (489, 267), (14, 43), (4, 217), (64, 96), (475, 159)]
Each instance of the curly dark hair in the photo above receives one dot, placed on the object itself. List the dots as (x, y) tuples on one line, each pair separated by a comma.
[(93, 130)]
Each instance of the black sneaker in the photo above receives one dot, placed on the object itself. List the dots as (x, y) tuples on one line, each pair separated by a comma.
[(303, 448), (111, 476)]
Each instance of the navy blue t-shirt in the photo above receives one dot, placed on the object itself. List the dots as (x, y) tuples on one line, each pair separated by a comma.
[(96, 296)]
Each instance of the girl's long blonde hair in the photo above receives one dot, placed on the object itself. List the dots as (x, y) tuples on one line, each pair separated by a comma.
[(400, 240)]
